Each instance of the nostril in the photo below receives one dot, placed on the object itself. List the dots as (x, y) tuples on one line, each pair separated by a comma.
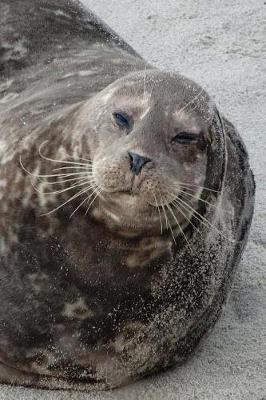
[(130, 156), (137, 162)]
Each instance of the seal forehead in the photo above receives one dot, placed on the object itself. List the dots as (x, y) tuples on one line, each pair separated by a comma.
[(178, 96), (126, 97)]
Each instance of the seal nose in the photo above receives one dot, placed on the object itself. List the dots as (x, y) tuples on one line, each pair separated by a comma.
[(137, 162)]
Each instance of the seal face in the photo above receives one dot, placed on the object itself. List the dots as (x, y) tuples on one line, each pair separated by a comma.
[(126, 201), (146, 149)]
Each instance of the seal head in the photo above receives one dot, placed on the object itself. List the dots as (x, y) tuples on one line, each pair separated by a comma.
[(150, 140)]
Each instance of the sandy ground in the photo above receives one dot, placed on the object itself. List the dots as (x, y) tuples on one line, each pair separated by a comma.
[(221, 45)]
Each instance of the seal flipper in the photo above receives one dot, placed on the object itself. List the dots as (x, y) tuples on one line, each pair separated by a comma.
[(33, 31)]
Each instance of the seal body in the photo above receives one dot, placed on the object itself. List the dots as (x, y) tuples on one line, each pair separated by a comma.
[(100, 291)]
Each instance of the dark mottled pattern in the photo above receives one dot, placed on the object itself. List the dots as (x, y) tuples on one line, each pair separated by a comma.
[(129, 323)]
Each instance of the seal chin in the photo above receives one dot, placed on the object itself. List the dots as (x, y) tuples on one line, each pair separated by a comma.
[(125, 200), (125, 210), (132, 214)]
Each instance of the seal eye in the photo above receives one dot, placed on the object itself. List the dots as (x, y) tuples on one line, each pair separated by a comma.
[(185, 138), (122, 120)]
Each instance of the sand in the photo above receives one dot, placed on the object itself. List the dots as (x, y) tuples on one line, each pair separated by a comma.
[(220, 44)]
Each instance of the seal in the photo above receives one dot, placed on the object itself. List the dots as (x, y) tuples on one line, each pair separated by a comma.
[(126, 202)]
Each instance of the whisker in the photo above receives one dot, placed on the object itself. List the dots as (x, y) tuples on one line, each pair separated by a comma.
[(89, 168), (175, 204), (179, 226), (49, 175), (59, 175), (158, 208), (185, 205), (77, 179), (191, 101), (80, 205), (188, 185), (204, 201), (176, 193), (170, 224), (165, 216), (60, 190), (66, 202), (92, 201), (54, 160), (80, 158), (202, 219)]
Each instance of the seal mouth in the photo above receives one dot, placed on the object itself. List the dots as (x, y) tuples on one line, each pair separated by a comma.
[(130, 193)]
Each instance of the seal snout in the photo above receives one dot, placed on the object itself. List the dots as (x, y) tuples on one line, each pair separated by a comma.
[(137, 162)]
